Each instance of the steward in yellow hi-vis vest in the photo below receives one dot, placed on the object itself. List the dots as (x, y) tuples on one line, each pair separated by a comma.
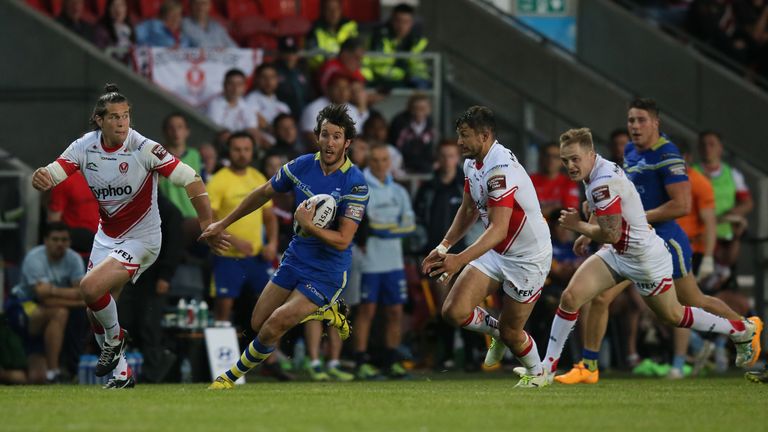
[(329, 32)]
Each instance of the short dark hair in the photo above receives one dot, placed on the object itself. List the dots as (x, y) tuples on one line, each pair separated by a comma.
[(233, 72), (240, 134), (478, 118), (618, 132), (337, 115), (111, 95), (51, 227), (645, 104), (280, 117), (264, 66), (403, 8), (705, 133), (352, 44), (173, 115)]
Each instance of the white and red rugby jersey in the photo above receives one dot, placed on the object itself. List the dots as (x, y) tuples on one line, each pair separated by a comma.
[(609, 191), (500, 181), (123, 180)]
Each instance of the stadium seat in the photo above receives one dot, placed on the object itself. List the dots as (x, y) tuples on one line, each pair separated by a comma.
[(148, 8), (242, 8), (277, 9), (310, 9), (362, 11), (292, 26), (98, 7), (247, 27), (264, 41), (55, 7)]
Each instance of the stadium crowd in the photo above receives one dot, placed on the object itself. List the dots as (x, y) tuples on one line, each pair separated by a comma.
[(265, 124)]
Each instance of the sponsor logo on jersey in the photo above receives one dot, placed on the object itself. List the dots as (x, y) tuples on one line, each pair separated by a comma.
[(111, 191), (355, 211), (678, 169), (159, 152), (497, 182), (91, 166), (126, 256), (123, 167), (359, 189), (601, 193)]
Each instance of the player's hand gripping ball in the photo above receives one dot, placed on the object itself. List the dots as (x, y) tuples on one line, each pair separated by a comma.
[(325, 212)]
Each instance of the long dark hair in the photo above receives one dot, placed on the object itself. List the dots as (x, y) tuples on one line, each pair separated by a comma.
[(111, 95), (106, 21)]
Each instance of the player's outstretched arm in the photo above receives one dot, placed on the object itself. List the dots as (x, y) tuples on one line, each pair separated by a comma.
[(607, 230), (338, 239), (464, 219)]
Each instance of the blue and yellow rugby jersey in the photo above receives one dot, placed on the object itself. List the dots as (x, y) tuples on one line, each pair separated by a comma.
[(651, 170), (347, 185)]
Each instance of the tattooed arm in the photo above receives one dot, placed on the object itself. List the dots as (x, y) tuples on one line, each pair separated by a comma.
[(607, 230)]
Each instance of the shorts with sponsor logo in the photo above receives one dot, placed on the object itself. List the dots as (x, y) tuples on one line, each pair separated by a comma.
[(651, 271), (386, 288), (522, 277), (136, 255), (320, 287)]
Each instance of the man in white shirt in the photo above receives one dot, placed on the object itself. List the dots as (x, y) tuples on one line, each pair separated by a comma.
[(263, 98), (202, 31), (230, 111)]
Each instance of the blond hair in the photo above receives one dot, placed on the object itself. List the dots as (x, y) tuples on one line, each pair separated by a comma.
[(581, 136)]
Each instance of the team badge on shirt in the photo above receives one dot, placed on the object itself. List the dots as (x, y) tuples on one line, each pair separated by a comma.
[(159, 152), (123, 167), (497, 182), (601, 193)]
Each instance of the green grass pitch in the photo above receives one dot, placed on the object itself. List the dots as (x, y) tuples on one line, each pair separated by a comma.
[(425, 403)]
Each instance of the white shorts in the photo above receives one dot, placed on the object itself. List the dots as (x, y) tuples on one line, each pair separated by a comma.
[(134, 254), (522, 278), (650, 272)]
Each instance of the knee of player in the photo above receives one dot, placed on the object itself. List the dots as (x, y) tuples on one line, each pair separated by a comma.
[(394, 313), (569, 301), (90, 289), (454, 315), (601, 302), (60, 313), (671, 315)]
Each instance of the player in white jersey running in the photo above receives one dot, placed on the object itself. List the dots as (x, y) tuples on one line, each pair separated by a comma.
[(632, 252), (121, 168), (513, 253)]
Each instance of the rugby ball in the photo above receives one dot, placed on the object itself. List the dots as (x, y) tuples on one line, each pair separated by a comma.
[(325, 212)]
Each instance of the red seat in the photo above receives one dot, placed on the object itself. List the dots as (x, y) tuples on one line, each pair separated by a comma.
[(266, 42), (98, 7), (149, 8), (246, 27), (38, 5), (364, 11), (242, 8), (310, 9), (276, 9), (292, 26)]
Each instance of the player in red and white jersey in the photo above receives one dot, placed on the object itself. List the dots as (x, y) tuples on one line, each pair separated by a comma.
[(121, 168), (513, 253), (632, 251)]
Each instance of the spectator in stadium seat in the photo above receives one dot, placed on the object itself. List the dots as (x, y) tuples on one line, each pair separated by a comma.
[(50, 274), (619, 139), (114, 33), (293, 86), (413, 133), (286, 137), (229, 110), (165, 31), (399, 35), (376, 130), (72, 202), (202, 31), (554, 189), (72, 18), (142, 306), (209, 157), (264, 99), (329, 32), (175, 135), (339, 93), (358, 152), (733, 202), (348, 61)]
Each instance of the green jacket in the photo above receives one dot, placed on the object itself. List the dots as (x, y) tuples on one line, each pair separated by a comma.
[(391, 69), (322, 37), (177, 194)]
